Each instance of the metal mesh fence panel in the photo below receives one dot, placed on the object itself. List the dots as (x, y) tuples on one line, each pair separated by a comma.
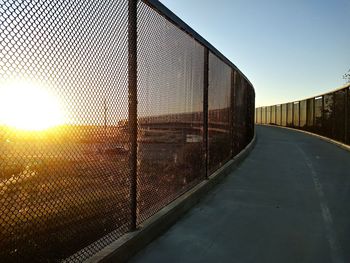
[(318, 114), (310, 114), (302, 114), (247, 129), (268, 115), (250, 99), (245, 122), (284, 115), (170, 111), (219, 93), (241, 110), (290, 114), (263, 115), (64, 177), (296, 114), (273, 114), (278, 114), (66, 136), (347, 118), (258, 116), (339, 115), (328, 115)]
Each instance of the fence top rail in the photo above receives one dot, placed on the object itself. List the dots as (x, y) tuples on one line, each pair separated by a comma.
[(164, 11), (313, 97)]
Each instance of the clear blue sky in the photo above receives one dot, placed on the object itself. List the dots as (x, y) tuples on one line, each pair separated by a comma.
[(289, 50)]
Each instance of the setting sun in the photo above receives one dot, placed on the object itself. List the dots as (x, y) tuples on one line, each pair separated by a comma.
[(26, 106)]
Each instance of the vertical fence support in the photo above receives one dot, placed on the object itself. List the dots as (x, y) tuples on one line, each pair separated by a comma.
[(307, 115), (333, 116), (346, 115), (282, 115), (232, 113), (322, 117), (205, 112), (299, 106), (256, 115), (314, 115), (261, 115), (293, 115), (132, 110), (275, 122), (253, 105)]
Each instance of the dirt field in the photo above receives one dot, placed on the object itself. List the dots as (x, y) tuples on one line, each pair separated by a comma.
[(58, 196)]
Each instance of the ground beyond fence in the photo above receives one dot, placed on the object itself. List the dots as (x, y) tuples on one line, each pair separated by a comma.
[(110, 110)]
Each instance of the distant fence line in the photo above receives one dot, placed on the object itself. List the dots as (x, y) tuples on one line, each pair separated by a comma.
[(327, 114), (153, 109)]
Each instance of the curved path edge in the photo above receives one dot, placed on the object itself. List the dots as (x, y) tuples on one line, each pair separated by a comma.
[(337, 143)]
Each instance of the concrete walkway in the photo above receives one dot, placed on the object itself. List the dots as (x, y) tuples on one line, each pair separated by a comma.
[(289, 201)]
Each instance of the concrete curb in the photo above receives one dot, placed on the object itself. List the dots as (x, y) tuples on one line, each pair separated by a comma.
[(329, 140), (129, 244)]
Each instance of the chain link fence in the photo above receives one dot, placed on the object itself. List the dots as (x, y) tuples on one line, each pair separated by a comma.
[(326, 115), (109, 110)]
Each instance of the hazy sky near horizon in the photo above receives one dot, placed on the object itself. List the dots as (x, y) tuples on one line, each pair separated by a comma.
[(289, 50)]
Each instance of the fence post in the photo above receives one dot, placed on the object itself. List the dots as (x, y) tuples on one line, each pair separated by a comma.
[(276, 116), (293, 114), (252, 98), (314, 115), (299, 105), (205, 111), (346, 114), (322, 117), (333, 116), (232, 113), (306, 114), (281, 115), (132, 109)]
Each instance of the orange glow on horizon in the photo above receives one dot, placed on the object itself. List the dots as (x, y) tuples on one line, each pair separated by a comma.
[(29, 107)]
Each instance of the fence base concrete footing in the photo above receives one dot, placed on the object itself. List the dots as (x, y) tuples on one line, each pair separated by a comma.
[(321, 137), (129, 244)]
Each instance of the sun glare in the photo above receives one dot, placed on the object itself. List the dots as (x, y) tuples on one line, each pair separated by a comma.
[(29, 107)]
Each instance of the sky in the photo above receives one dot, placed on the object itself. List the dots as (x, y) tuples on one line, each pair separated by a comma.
[(289, 50)]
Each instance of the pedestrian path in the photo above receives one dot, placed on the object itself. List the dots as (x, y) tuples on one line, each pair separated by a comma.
[(289, 201)]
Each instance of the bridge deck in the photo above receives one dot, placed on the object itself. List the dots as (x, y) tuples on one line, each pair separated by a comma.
[(287, 202)]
